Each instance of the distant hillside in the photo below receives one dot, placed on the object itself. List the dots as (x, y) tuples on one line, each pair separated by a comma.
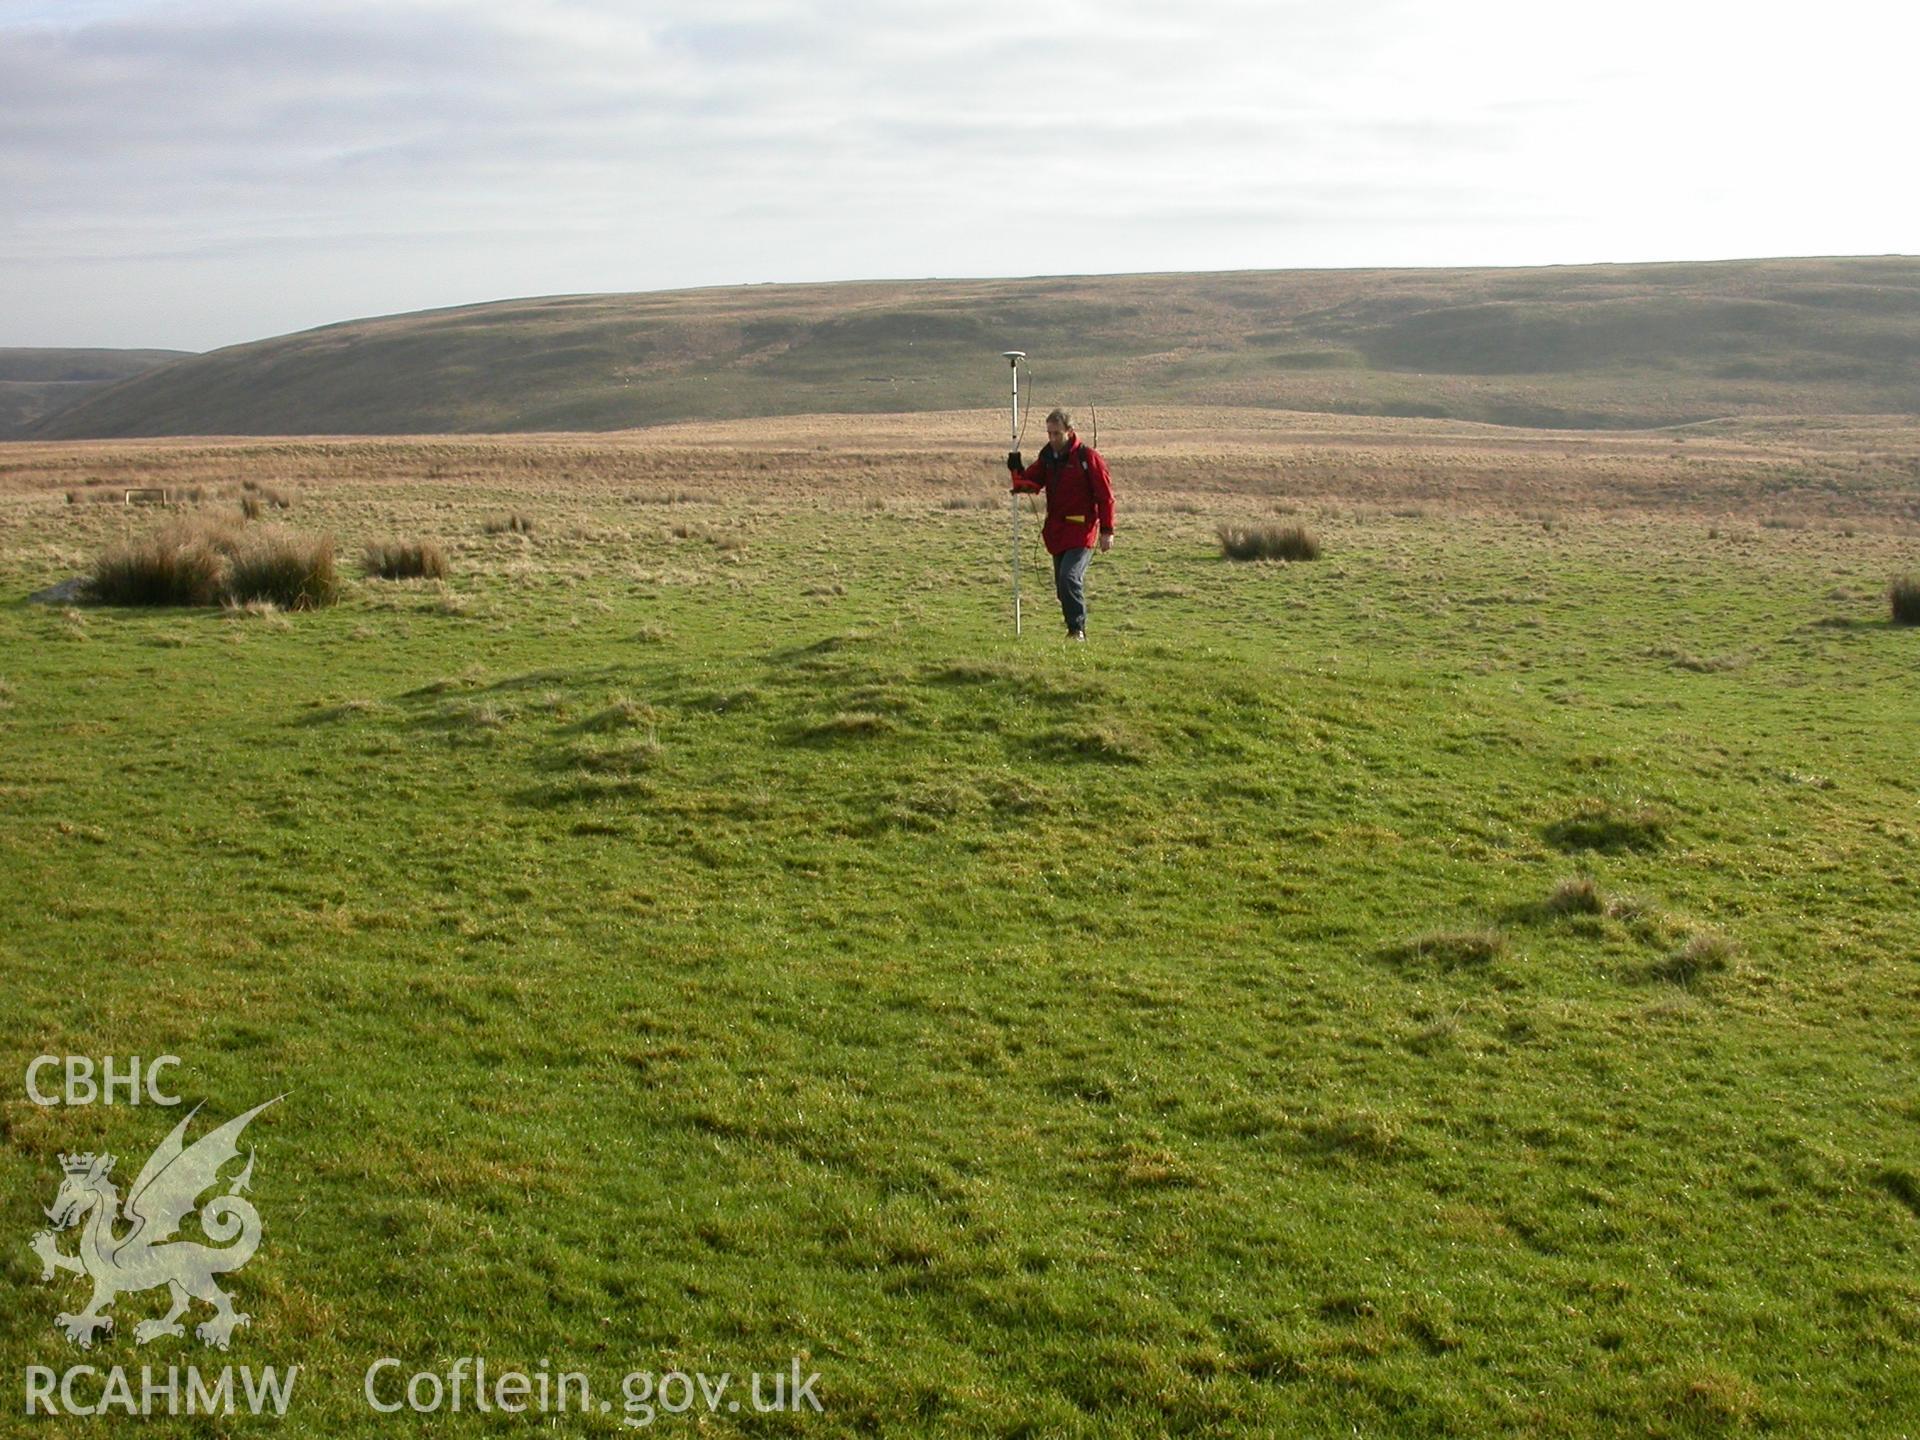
[(1603, 346), (36, 383)]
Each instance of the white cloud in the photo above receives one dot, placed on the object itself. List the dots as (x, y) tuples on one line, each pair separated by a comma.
[(200, 172)]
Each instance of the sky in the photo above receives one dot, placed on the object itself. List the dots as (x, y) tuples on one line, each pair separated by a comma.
[(188, 174)]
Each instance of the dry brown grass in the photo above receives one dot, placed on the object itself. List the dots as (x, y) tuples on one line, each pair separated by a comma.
[(1174, 468), (264, 611), (266, 495), (1904, 598), (405, 560), (293, 572), (206, 560), (1576, 895), (1268, 542), (184, 562)]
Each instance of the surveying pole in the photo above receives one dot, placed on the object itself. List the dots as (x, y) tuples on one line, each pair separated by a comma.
[(1013, 359)]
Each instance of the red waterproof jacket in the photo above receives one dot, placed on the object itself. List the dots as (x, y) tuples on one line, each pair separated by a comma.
[(1079, 495)]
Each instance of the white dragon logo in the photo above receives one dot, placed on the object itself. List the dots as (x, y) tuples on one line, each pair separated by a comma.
[(146, 1256)]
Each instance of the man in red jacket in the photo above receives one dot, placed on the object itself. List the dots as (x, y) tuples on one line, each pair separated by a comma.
[(1079, 505)]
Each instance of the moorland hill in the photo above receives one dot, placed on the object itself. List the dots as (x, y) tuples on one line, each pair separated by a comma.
[(1608, 346), (36, 382)]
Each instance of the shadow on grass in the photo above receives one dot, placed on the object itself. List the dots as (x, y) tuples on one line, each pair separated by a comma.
[(1857, 622), (583, 787), (1013, 681), (474, 682), (1541, 914), (1356, 1135), (1701, 956), (619, 714), (1448, 949), (847, 726), (345, 710), (473, 718), (551, 679), (811, 656), (1609, 829), (1576, 902), (1105, 742), (1901, 1183)]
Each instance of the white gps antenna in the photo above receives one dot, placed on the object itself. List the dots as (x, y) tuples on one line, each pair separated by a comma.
[(1013, 359)]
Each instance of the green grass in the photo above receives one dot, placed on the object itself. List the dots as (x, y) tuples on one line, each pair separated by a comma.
[(1387, 996)]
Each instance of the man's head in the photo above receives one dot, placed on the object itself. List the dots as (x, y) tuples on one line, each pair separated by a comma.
[(1059, 426)]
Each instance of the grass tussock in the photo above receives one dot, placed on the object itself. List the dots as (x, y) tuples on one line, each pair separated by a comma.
[(1268, 542), (1700, 956), (513, 524), (622, 713), (1576, 895), (278, 499), (293, 572), (405, 560), (264, 611), (256, 499), (208, 561), (182, 563), (1904, 596), (1647, 922), (480, 715)]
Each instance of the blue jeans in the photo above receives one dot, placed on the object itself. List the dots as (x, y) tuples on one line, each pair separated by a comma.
[(1070, 584)]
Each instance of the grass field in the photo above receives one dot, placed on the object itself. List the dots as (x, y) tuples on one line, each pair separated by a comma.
[(1465, 985)]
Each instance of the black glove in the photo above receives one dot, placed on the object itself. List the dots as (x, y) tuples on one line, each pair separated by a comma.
[(1014, 462)]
